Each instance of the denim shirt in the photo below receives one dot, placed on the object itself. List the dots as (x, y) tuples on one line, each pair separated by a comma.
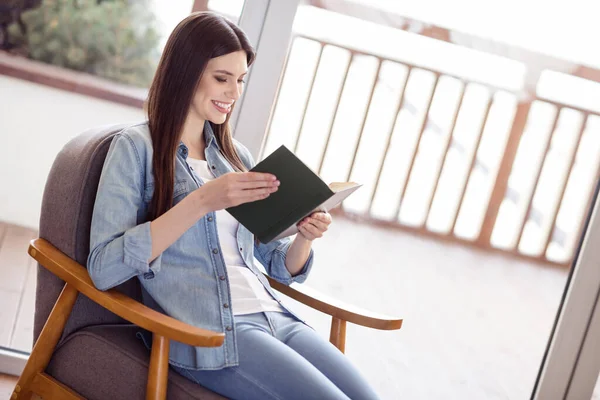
[(188, 281)]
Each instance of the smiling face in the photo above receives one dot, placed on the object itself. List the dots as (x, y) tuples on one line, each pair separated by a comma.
[(220, 86)]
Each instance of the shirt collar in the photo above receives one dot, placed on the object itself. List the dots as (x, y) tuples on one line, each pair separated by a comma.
[(209, 139)]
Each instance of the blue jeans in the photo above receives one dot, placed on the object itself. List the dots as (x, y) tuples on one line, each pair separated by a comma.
[(281, 358)]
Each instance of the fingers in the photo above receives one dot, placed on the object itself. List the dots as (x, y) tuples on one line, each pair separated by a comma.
[(258, 189), (249, 195), (309, 231), (253, 180), (320, 220), (245, 187), (314, 226), (320, 225), (256, 177), (322, 216), (248, 185)]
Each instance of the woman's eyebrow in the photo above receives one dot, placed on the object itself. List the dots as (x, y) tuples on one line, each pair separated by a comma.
[(222, 71)]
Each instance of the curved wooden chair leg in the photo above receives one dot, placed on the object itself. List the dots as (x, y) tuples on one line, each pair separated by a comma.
[(158, 370)]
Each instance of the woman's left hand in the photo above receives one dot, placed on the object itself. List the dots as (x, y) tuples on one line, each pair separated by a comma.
[(314, 225)]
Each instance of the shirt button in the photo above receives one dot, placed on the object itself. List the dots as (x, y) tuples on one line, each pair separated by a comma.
[(216, 251), (228, 328), (222, 277), (210, 219), (149, 275), (241, 249), (213, 167), (225, 305)]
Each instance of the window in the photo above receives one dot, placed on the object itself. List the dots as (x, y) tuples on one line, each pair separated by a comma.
[(115, 39)]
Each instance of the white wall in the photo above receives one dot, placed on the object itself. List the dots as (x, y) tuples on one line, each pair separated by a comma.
[(35, 123)]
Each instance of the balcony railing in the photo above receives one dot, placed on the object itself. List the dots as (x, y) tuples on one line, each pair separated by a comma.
[(440, 155)]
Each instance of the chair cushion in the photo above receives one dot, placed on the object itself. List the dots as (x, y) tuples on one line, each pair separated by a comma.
[(110, 362)]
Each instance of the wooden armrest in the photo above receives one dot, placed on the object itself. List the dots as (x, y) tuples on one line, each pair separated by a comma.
[(335, 308), (124, 306)]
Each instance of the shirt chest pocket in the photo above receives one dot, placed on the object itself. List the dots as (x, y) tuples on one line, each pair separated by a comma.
[(180, 190)]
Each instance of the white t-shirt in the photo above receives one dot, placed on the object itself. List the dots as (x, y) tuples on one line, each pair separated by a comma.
[(248, 295)]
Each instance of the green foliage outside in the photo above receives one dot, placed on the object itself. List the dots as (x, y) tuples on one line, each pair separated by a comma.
[(115, 39)]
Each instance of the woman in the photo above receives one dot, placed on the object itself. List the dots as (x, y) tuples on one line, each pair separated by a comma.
[(159, 215)]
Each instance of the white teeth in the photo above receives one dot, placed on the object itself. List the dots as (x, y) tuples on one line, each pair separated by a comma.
[(222, 105)]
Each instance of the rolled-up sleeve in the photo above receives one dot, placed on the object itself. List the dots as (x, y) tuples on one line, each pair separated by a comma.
[(272, 255), (120, 246)]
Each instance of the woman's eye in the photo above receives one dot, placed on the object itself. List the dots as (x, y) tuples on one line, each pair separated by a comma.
[(241, 81), (222, 80)]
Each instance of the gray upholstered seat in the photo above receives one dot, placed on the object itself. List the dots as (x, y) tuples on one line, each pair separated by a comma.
[(98, 355)]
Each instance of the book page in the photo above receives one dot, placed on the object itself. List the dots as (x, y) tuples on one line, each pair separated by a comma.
[(343, 191), (339, 186)]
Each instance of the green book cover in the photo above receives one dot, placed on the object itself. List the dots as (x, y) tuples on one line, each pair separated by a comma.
[(301, 192)]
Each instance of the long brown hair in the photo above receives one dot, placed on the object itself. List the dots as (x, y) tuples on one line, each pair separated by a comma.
[(198, 38)]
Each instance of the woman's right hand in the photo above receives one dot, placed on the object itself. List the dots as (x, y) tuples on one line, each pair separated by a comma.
[(235, 188)]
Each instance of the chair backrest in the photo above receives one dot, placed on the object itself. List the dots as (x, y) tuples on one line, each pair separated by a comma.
[(65, 221)]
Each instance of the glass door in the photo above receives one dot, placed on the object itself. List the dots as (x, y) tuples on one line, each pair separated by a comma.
[(479, 169)]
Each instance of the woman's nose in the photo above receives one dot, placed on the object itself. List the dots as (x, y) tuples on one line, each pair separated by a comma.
[(234, 92)]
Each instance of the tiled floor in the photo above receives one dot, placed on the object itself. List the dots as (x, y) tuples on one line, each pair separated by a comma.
[(476, 325), (7, 385)]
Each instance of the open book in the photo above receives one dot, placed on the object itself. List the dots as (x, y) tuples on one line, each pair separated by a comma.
[(300, 193)]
